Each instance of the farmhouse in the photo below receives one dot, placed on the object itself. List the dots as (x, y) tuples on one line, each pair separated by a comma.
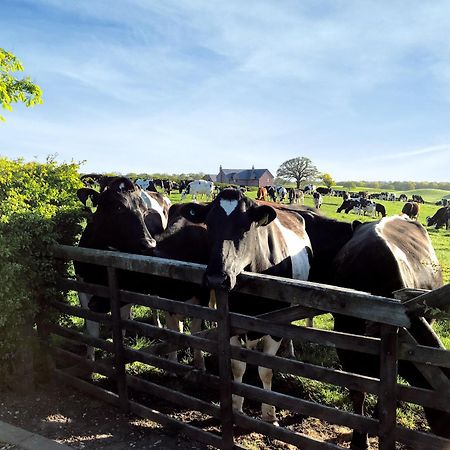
[(245, 177)]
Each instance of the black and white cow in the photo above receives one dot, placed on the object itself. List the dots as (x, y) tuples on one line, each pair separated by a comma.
[(349, 205), (272, 193), (402, 198), (146, 184), (123, 222), (318, 199), (246, 236), (281, 193), (440, 218)]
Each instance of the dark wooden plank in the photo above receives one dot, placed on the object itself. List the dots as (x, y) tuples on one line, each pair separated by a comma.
[(173, 306), (81, 337), (387, 396), (325, 298), (434, 375), (224, 357), (353, 342), (306, 408), (408, 293), (423, 354), (67, 284), (434, 304), (419, 440), (323, 374), (175, 426), (424, 397), (80, 312), (283, 434), (86, 364), (180, 339), (88, 388), (190, 373), (172, 396), (119, 356)]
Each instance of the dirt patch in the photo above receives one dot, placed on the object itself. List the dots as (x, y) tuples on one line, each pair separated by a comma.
[(70, 417)]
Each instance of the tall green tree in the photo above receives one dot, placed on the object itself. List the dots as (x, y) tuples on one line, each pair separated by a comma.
[(299, 169), (15, 90), (328, 180)]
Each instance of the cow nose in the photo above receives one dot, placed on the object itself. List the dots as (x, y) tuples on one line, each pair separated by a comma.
[(218, 281)]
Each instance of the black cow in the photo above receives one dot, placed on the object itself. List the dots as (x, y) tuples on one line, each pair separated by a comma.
[(418, 198), (324, 190), (348, 205), (382, 257), (272, 193), (380, 210), (122, 222), (440, 218), (246, 236), (403, 198)]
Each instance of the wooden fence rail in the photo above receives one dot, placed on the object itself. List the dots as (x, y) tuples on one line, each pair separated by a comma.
[(302, 299)]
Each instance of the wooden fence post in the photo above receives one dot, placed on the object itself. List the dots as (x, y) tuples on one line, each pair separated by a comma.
[(119, 354), (387, 396), (224, 357)]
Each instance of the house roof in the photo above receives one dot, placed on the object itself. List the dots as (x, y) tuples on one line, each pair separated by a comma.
[(245, 174)]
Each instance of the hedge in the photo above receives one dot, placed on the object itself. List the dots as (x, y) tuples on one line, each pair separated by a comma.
[(38, 208)]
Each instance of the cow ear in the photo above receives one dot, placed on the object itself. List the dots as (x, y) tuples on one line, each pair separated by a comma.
[(262, 215), (85, 194), (194, 212), (356, 224)]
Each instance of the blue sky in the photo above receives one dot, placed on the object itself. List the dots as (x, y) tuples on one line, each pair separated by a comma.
[(360, 87)]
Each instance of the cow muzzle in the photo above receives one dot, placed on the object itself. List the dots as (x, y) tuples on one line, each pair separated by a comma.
[(220, 281)]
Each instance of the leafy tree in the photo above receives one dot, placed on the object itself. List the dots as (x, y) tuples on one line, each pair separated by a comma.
[(14, 90), (298, 169), (328, 180)]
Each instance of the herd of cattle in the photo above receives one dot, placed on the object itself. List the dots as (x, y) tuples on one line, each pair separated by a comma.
[(233, 233)]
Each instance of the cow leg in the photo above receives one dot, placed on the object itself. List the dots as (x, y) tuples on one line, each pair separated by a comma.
[(238, 369), (271, 347), (125, 314), (175, 324), (92, 327), (360, 440)]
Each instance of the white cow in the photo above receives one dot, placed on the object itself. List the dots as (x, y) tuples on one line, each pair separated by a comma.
[(199, 187)]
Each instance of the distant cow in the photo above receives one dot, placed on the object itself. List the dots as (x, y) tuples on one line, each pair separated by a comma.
[(318, 200), (281, 193), (199, 187), (348, 205), (418, 199), (411, 209), (440, 218), (380, 210), (146, 184), (309, 189), (272, 193), (442, 202), (402, 198), (324, 190), (261, 194), (296, 196)]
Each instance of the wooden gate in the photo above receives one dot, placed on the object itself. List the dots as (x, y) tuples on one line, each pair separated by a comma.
[(303, 299)]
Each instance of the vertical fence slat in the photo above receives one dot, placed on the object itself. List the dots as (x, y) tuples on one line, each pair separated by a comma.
[(119, 353), (224, 356), (387, 396)]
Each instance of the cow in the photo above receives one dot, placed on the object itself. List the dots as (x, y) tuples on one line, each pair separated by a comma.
[(296, 196), (309, 189), (122, 222), (349, 205), (380, 258), (246, 236), (418, 198), (318, 200), (402, 198), (281, 193), (158, 206), (380, 210), (411, 209), (391, 197), (272, 193), (199, 187), (261, 194), (442, 202), (324, 190), (440, 218), (146, 184)]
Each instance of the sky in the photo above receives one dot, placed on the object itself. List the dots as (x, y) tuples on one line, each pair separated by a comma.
[(362, 88)]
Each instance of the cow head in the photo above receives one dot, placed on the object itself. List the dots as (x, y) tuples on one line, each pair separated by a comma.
[(118, 222), (232, 221)]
